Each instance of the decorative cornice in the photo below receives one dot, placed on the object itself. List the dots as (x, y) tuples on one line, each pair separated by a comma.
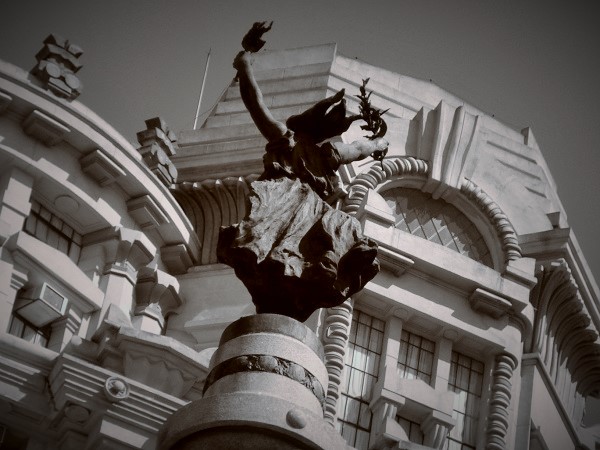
[(561, 313), (413, 167), (211, 204)]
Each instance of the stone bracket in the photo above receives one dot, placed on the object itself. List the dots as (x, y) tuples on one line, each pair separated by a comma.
[(44, 128), (488, 303), (99, 165)]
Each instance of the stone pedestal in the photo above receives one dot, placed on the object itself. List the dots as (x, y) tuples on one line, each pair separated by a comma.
[(265, 389)]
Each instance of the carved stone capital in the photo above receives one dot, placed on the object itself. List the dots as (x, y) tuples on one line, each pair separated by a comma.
[(125, 250), (435, 427), (157, 293)]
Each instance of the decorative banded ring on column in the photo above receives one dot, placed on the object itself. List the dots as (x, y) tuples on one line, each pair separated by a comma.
[(271, 364), (265, 389), (272, 354)]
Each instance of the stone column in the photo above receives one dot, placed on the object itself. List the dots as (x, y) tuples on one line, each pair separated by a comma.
[(265, 389), (498, 418), (338, 321)]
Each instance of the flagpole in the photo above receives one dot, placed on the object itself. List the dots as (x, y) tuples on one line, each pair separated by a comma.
[(202, 88)]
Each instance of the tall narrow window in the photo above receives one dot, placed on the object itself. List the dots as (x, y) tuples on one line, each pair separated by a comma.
[(48, 228), (415, 360), (362, 368), (412, 430), (24, 330), (466, 379)]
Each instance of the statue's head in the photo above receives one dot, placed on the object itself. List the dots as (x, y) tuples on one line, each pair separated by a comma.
[(324, 120)]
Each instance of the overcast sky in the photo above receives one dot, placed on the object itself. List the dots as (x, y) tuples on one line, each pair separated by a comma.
[(528, 63)]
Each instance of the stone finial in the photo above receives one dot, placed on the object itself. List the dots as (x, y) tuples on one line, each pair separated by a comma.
[(58, 61), (158, 143)]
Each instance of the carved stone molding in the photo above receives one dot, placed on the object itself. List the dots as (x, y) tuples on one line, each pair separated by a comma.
[(102, 167), (126, 250), (488, 303), (116, 389), (176, 257), (498, 418), (146, 212), (392, 168), (158, 143), (338, 321), (269, 364), (413, 167), (44, 128), (562, 315), (505, 230), (58, 61), (157, 294), (211, 204)]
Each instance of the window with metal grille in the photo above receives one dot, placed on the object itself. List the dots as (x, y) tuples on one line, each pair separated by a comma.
[(415, 359), (24, 330), (466, 379), (48, 228), (412, 430), (362, 368), (437, 221)]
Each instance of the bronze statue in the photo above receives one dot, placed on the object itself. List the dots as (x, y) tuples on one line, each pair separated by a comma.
[(293, 251)]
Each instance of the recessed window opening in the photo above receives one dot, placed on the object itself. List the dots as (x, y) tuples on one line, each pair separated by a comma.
[(46, 227), (361, 372), (415, 359), (466, 380)]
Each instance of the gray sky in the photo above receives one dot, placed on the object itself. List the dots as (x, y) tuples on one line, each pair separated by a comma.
[(534, 63), (528, 63)]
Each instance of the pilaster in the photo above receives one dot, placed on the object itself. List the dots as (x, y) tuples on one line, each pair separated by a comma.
[(385, 429), (498, 417), (338, 321)]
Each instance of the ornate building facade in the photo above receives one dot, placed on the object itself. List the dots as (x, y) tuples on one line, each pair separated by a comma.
[(480, 331)]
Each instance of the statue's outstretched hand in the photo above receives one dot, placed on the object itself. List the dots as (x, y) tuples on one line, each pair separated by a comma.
[(252, 41)]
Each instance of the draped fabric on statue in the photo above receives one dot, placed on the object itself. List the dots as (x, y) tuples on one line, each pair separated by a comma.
[(293, 251)]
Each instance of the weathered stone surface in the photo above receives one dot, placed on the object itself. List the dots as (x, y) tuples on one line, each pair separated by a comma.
[(294, 252)]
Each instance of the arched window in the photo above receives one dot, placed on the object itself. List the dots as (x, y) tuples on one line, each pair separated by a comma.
[(437, 221)]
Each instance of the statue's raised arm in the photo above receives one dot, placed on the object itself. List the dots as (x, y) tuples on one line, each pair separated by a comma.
[(249, 90)]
